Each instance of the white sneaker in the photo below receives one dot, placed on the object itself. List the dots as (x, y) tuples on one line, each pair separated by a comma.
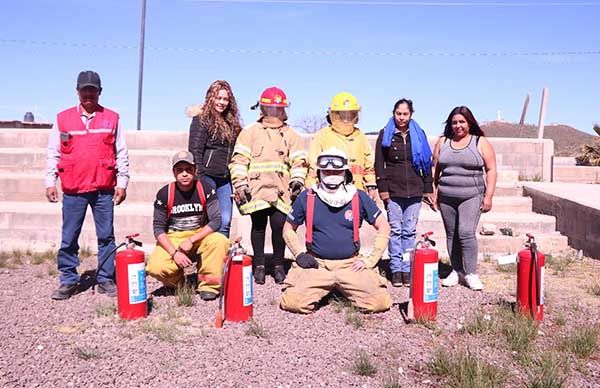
[(473, 282), (451, 280)]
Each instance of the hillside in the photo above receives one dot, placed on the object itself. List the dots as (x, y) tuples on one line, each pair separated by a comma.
[(567, 140)]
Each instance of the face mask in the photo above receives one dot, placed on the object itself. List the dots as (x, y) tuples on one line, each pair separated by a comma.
[(332, 182)]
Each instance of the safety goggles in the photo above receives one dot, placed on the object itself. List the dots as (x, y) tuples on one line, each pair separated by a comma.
[(332, 161)]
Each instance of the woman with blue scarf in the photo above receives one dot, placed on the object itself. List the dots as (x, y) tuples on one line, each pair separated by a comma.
[(403, 170)]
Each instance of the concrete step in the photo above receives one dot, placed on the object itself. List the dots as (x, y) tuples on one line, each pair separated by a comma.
[(29, 186), (160, 140), (39, 222), (32, 160)]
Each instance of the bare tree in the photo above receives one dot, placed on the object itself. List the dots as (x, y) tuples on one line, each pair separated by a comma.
[(310, 123)]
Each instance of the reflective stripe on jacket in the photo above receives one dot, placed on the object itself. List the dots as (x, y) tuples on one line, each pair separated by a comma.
[(267, 159), (356, 146), (87, 155)]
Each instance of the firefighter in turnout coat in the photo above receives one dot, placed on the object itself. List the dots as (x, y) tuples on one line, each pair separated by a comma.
[(268, 168), (343, 134)]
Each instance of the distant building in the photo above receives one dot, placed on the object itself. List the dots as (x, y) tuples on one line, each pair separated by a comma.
[(28, 122)]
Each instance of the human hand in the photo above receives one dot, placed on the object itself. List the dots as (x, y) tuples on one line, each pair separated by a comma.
[(242, 194), (119, 196), (486, 204), (295, 189), (181, 259), (51, 194), (385, 197), (431, 200), (186, 245), (358, 265), (306, 260), (372, 191)]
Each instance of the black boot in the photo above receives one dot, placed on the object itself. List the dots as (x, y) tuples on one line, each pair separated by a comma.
[(406, 279), (278, 274), (259, 274)]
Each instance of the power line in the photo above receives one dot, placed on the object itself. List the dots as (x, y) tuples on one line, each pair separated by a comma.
[(409, 3), (321, 53)]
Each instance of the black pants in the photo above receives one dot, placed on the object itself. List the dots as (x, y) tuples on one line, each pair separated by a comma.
[(257, 235)]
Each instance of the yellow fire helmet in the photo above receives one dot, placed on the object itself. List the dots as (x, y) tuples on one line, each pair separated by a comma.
[(344, 101)]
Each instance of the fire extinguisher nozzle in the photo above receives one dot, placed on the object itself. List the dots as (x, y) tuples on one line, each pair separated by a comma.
[(219, 320)]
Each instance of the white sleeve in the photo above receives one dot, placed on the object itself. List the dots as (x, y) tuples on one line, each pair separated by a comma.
[(122, 155), (52, 157)]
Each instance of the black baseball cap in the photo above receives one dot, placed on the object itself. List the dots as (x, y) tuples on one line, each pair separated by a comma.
[(88, 78)]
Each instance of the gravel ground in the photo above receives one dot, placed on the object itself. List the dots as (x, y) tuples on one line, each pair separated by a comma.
[(81, 342)]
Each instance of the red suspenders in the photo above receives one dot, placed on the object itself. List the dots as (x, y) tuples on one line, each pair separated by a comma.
[(310, 210), (171, 197)]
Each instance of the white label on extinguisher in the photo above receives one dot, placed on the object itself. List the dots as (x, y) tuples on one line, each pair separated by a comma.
[(430, 282), (136, 278), (542, 285), (247, 284)]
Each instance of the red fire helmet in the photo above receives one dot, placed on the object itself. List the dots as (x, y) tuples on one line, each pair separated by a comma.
[(273, 96)]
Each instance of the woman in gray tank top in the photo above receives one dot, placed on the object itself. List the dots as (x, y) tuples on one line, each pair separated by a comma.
[(460, 158)]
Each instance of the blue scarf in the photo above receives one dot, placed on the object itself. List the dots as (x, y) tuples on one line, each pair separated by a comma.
[(421, 153)]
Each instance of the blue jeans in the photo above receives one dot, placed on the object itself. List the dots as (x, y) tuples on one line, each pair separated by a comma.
[(224, 192), (73, 213), (403, 214)]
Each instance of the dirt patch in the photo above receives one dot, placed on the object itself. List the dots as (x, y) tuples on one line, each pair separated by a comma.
[(81, 341)]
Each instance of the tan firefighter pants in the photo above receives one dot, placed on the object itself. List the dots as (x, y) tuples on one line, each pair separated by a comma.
[(366, 289), (212, 250)]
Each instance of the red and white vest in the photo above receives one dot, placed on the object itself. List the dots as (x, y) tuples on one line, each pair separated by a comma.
[(87, 155)]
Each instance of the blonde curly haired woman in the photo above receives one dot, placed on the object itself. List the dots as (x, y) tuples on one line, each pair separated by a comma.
[(214, 129)]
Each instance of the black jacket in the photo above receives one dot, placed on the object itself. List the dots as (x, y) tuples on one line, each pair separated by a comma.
[(395, 172), (211, 154)]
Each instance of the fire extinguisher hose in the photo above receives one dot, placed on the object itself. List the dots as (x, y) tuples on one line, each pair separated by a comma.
[(130, 240), (224, 281), (537, 274)]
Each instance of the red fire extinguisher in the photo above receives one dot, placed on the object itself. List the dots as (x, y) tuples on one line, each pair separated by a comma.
[(422, 304), (530, 280), (235, 301), (130, 271)]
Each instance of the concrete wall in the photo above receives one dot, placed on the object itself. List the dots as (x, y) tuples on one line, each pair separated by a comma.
[(576, 174), (577, 221), (531, 158)]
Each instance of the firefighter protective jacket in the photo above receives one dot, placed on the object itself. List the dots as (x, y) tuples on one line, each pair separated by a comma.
[(356, 145), (267, 159)]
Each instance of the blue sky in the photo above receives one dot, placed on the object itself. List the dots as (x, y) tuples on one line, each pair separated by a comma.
[(438, 55)]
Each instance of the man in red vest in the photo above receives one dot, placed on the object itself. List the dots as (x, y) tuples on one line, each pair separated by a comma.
[(87, 151)]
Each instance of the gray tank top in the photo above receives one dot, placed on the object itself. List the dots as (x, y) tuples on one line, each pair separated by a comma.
[(461, 170)]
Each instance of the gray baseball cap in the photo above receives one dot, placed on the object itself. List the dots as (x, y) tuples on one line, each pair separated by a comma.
[(183, 156), (88, 78)]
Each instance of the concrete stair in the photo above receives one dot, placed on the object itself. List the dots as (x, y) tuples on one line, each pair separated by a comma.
[(28, 221)]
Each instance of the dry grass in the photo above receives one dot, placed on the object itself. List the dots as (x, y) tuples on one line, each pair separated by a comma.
[(362, 365), (86, 353), (548, 371), (162, 331), (480, 323), (518, 329), (464, 370), (594, 289), (354, 318), (582, 342), (255, 329), (185, 295), (106, 310), (560, 263)]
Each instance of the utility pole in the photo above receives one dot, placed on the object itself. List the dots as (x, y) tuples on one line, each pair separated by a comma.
[(524, 113), (543, 113), (141, 67)]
